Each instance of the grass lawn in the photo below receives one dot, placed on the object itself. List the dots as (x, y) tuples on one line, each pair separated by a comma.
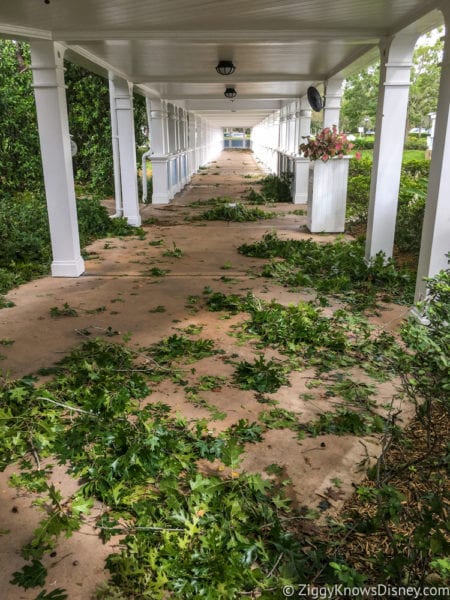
[(407, 154)]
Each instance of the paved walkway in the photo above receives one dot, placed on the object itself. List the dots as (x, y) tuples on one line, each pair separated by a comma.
[(117, 283)]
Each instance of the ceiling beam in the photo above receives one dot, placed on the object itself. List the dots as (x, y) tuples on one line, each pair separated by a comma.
[(230, 80), (239, 104), (17, 32), (219, 36), (188, 97)]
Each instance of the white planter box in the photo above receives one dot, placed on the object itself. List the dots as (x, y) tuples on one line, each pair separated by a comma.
[(327, 195)]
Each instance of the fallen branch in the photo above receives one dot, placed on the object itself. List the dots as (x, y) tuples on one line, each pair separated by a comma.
[(124, 529), (68, 406)]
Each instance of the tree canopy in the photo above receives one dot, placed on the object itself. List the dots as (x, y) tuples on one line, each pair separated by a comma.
[(359, 103), (89, 124)]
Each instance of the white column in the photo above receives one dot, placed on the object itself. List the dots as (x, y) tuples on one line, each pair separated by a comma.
[(159, 158), (436, 226), (333, 96), (191, 143), (304, 125), (302, 164), (51, 107), (292, 146), (171, 128), (203, 141), (176, 149), (122, 101), (115, 152), (396, 62), (277, 138), (282, 138), (198, 141), (183, 175), (165, 125)]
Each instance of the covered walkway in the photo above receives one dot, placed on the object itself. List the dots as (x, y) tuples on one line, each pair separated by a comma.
[(209, 66), (118, 294), (141, 290)]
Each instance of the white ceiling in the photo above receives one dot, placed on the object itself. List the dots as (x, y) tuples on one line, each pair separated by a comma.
[(169, 48)]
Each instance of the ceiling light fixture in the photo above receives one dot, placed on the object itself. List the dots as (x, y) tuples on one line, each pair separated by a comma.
[(225, 67), (230, 93)]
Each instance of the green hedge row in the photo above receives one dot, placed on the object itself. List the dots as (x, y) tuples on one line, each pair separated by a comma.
[(411, 143), (89, 123), (25, 236), (411, 201)]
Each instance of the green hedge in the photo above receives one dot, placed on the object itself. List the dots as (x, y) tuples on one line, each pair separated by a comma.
[(89, 123), (363, 143), (25, 235), (411, 201), (411, 143)]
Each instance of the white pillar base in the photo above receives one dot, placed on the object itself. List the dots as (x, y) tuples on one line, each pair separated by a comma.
[(419, 316), (134, 220), (161, 192), (67, 268), (160, 198)]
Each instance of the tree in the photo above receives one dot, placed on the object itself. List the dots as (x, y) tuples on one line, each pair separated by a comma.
[(425, 76), (360, 99), (20, 159), (89, 123), (90, 126)]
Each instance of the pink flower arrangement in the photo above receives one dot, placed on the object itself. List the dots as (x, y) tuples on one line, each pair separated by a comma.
[(329, 143)]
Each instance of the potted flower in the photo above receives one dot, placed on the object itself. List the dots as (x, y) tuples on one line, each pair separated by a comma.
[(327, 188), (329, 143)]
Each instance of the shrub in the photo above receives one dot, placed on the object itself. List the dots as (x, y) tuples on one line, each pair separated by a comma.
[(360, 167), (277, 189), (20, 158), (358, 192), (364, 143), (24, 239), (416, 168), (25, 235), (413, 143), (411, 209), (234, 212), (427, 366), (411, 200)]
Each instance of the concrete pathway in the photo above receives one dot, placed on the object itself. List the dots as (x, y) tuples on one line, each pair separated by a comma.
[(117, 282)]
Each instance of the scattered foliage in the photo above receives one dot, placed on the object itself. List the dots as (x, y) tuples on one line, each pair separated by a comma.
[(176, 347), (276, 188), (235, 212), (336, 268), (65, 311), (345, 421), (142, 464), (174, 253), (261, 376)]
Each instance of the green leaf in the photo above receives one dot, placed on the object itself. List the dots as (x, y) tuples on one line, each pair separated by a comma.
[(31, 575)]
